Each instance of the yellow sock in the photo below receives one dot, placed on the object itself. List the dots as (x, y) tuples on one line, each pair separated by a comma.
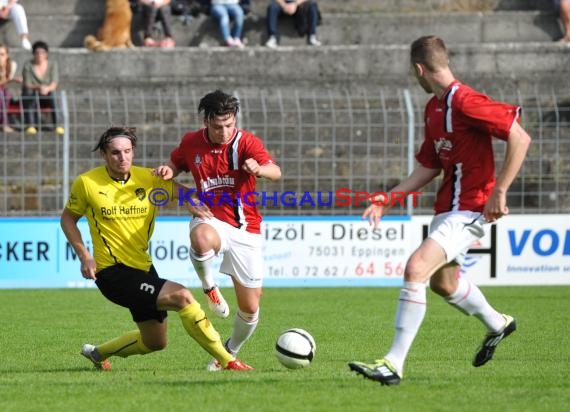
[(202, 331), (126, 345)]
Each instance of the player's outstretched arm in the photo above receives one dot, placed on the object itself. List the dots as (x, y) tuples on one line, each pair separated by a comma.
[(414, 182)]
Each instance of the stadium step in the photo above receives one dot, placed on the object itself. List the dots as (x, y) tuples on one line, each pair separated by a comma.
[(67, 24), (366, 66)]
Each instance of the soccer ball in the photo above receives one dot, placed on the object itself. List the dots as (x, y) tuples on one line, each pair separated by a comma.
[(295, 348)]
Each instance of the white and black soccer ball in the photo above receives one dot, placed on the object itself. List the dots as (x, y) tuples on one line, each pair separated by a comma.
[(295, 348)]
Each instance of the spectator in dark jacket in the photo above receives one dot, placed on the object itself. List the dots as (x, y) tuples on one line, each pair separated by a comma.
[(306, 14)]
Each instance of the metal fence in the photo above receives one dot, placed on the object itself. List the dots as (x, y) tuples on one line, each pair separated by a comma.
[(323, 140)]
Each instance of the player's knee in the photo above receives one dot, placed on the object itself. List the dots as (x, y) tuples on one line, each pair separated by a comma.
[(203, 239), (250, 306), (174, 297), (414, 272), (182, 298)]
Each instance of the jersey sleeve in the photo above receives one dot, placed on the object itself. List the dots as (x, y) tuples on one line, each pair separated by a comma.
[(177, 156), (427, 156), (256, 150), (77, 202), (167, 185), (487, 115)]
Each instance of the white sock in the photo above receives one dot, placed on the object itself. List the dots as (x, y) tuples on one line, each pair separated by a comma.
[(244, 326), (203, 266), (469, 299), (409, 317)]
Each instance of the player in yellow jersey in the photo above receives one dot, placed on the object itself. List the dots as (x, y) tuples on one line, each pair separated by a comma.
[(115, 199)]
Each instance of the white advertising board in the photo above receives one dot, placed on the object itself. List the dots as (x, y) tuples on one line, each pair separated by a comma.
[(534, 250), (306, 252)]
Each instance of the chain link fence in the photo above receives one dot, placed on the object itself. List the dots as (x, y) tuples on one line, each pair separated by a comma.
[(324, 140)]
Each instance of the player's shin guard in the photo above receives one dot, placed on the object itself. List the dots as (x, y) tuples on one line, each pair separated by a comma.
[(203, 266), (202, 331), (126, 345), (469, 299), (244, 326), (409, 317)]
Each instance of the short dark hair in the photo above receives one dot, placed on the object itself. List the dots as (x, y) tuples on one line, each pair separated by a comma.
[(40, 45), (218, 103), (116, 131), (429, 51)]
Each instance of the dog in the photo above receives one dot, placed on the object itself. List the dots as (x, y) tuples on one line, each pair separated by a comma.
[(116, 29)]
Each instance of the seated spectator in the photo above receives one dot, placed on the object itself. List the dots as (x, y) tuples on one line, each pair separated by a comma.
[(39, 83), (157, 10), (11, 10), (563, 7), (307, 18), (7, 75), (224, 11)]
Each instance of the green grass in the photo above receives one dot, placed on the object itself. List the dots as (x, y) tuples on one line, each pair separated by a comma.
[(43, 330)]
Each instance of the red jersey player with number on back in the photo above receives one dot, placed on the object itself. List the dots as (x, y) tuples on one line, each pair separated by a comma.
[(225, 163), (459, 125)]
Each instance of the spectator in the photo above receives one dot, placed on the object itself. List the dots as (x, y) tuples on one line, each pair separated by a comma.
[(7, 75), (40, 78), (563, 7), (11, 10), (157, 10), (307, 18), (224, 11)]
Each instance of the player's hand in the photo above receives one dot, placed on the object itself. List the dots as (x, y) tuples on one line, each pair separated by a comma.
[(496, 207), (88, 267), (163, 171), (252, 167), (200, 210), (373, 213)]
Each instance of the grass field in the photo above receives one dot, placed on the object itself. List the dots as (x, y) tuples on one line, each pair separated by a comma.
[(43, 330)]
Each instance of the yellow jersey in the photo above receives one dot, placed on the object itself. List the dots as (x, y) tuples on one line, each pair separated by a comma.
[(120, 215)]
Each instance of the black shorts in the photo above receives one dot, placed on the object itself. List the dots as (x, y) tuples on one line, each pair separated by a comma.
[(134, 289)]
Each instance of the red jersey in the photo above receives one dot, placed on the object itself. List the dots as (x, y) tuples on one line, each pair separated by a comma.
[(458, 132), (219, 177)]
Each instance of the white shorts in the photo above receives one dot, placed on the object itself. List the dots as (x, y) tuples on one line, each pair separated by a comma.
[(456, 232), (242, 252)]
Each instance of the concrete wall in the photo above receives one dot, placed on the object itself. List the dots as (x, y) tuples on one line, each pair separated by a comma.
[(523, 64), (65, 23), (360, 49)]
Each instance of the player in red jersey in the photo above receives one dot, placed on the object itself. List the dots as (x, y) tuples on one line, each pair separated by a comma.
[(459, 126), (225, 163)]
